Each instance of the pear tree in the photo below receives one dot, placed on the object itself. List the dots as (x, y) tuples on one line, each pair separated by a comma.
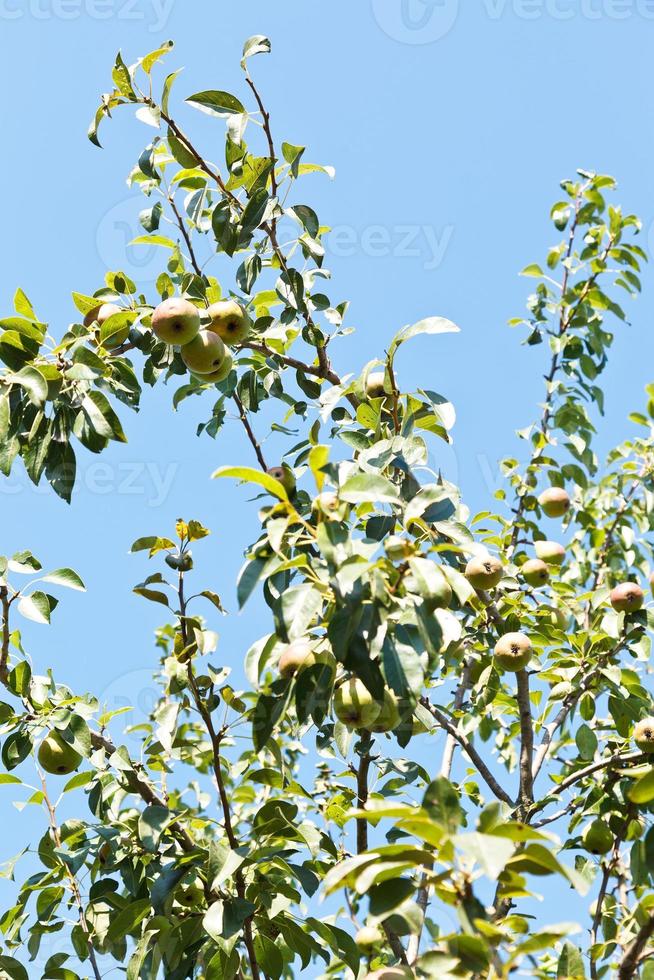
[(449, 713)]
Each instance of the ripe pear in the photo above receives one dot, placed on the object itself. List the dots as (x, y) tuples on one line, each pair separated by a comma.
[(58, 757), (484, 573), (535, 572), (177, 321), (230, 321), (555, 502), (644, 735), (295, 657), (550, 551), (354, 705), (219, 374), (513, 651), (597, 837), (368, 936), (205, 354), (627, 597), (375, 385), (284, 474), (101, 313), (389, 717), (116, 334)]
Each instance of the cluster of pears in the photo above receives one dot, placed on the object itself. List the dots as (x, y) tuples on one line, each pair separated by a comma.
[(204, 351), (353, 703)]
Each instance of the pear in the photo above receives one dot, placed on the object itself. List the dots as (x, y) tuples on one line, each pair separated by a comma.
[(284, 474), (555, 502), (205, 354), (368, 936), (100, 314), (391, 973), (535, 572), (296, 657), (109, 334), (354, 705), (550, 551), (597, 837), (177, 321), (375, 385), (644, 734), (513, 651), (627, 597), (58, 757), (219, 374), (389, 717), (328, 507), (484, 573), (230, 321)]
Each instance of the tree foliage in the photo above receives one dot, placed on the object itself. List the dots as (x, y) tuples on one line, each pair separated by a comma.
[(206, 854)]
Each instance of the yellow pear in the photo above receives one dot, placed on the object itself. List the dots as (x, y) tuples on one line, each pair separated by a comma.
[(205, 354), (230, 321), (484, 573), (354, 705), (513, 651), (219, 374), (176, 321), (555, 502)]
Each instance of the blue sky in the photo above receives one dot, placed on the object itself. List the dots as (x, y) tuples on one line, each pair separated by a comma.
[(449, 128)]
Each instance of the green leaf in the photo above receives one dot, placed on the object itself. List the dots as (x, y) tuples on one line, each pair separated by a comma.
[(257, 44), (13, 969), (571, 963), (365, 487), (216, 103), (126, 921), (35, 607), (67, 578), (101, 416), (152, 823), (431, 325), (249, 475)]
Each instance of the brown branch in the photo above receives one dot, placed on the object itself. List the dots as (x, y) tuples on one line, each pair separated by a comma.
[(363, 770), (216, 739), (4, 648), (72, 881), (242, 414), (606, 877), (630, 961), (470, 751), (526, 739), (185, 233)]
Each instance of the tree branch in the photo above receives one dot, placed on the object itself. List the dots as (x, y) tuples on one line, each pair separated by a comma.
[(242, 414), (470, 751), (526, 739)]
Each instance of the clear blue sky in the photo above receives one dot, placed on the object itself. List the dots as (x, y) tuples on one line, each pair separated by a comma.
[(449, 129)]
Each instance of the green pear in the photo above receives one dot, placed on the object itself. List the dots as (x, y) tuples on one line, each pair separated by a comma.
[(368, 936), (375, 385), (354, 705), (535, 572), (219, 374), (644, 734), (230, 321), (484, 573), (389, 717), (205, 354), (284, 474), (550, 551), (177, 321), (391, 973), (555, 502), (58, 757), (627, 597), (101, 313), (513, 652), (296, 657), (597, 837), (328, 507)]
